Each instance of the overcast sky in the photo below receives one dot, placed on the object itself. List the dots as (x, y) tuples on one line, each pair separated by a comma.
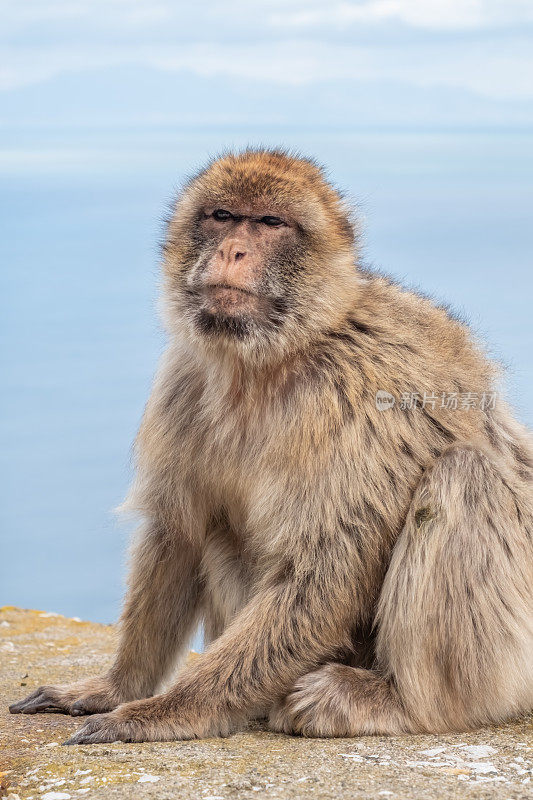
[(421, 110), (463, 62)]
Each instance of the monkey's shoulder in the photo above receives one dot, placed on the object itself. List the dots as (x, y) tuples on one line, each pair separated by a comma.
[(396, 334), (386, 307)]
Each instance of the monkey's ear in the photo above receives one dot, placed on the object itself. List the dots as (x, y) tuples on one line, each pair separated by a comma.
[(183, 216)]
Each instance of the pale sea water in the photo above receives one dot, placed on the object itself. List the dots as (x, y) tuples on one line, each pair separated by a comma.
[(449, 212)]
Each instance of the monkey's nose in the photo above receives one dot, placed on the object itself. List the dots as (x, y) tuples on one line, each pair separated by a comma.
[(231, 251)]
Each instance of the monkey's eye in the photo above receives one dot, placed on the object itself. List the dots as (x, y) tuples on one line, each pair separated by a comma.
[(272, 222), (221, 215)]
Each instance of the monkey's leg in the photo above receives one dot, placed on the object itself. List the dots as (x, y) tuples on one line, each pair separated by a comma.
[(160, 611), (455, 623), (291, 624)]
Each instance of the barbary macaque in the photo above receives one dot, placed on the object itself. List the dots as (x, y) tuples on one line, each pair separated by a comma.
[(326, 479)]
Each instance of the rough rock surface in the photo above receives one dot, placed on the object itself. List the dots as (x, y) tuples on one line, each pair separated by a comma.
[(36, 647)]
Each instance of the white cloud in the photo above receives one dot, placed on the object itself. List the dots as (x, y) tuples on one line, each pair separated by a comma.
[(276, 41), (432, 14), (17, 16), (129, 15), (503, 72)]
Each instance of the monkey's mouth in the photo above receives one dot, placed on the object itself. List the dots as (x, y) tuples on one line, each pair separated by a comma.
[(227, 299), (232, 311), (216, 288)]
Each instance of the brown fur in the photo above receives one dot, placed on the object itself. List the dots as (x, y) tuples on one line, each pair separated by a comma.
[(359, 571)]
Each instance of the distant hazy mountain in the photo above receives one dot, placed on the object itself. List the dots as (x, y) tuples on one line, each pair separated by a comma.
[(139, 97)]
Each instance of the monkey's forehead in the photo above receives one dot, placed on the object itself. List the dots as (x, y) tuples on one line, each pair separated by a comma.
[(254, 187), (264, 169), (266, 182)]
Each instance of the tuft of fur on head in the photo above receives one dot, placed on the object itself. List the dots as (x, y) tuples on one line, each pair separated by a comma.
[(318, 279)]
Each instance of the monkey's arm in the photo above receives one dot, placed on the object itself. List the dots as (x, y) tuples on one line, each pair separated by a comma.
[(295, 620), (159, 613)]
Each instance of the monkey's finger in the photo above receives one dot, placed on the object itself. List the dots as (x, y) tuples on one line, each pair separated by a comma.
[(91, 704), (39, 706), (16, 708), (85, 737), (41, 701), (86, 730), (78, 709), (95, 730)]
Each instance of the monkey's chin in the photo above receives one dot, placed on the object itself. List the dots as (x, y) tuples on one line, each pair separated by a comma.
[(212, 324)]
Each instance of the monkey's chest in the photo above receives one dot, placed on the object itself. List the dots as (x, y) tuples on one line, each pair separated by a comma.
[(227, 570)]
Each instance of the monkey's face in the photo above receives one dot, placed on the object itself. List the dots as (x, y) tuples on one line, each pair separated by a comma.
[(240, 282), (259, 242)]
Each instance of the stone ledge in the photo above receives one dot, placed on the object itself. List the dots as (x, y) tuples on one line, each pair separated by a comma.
[(36, 647)]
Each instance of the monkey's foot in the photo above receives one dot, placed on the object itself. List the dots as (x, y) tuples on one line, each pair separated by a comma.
[(338, 700), (85, 697), (319, 704)]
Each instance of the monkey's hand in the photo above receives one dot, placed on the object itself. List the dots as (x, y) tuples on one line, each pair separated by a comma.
[(156, 719), (89, 696)]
